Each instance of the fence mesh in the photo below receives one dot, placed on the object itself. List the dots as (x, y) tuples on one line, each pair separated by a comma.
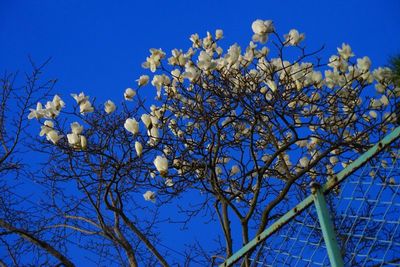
[(365, 210)]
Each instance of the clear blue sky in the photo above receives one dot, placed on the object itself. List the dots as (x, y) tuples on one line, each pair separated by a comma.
[(98, 46)]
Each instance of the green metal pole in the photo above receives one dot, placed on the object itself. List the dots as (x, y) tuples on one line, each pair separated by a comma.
[(325, 221)]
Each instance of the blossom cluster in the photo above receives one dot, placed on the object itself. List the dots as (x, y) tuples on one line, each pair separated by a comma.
[(244, 101)]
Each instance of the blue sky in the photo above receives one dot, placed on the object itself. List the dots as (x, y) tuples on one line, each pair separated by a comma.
[(98, 46)]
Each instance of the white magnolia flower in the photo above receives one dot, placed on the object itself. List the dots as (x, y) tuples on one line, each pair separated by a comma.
[(58, 103), (191, 72), (262, 27), (80, 98), (154, 136), (150, 196), (304, 162), (205, 61), (51, 110), (159, 81), (219, 34), (345, 52), (178, 58), (146, 120), (207, 41), (129, 94), (233, 54), (317, 78), (235, 169), (153, 61), (364, 63), (131, 125), (272, 85), (373, 114), (109, 107), (83, 142), (169, 182), (331, 78), (294, 37), (161, 164), (37, 113), (333, 160), (138, 148), (381, 74), (143, 80), (74, 139), (76, 128), (85, 107), (261, 30), (53, 136), (46, 127), (384, 100), (196, 42), (338, 63)]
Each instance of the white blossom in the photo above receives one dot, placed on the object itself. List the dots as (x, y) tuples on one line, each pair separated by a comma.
[(261, 29), (51, 110), (294, 37), (53, 136), (161, 164), (109, 107), (129, 94), (381, 74), (191, 72), (153, 61), (384, 100), (74, 139), (304, 162), (205, 61), (37, 113), (80, 98), (159, 81), (233, 54), (373, 114), (169, 182), (195, 40), (272, 85), (58, 102), (234, 170), (338, 63), (46, 127), (138, 148), (83, 142), (85, 107), (131, 125), (345, 52), (146, 120), (364, 64), (178, 58), (76, 128), (150, 196), (219, 34), (154, 136), (143, 80), (333, 160)]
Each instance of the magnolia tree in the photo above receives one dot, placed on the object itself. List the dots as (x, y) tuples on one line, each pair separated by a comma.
[(249, 128)]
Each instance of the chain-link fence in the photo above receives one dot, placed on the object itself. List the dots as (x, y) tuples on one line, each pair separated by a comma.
[(352, 220)]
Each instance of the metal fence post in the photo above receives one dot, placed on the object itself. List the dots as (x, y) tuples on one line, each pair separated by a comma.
[(328, 231)]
